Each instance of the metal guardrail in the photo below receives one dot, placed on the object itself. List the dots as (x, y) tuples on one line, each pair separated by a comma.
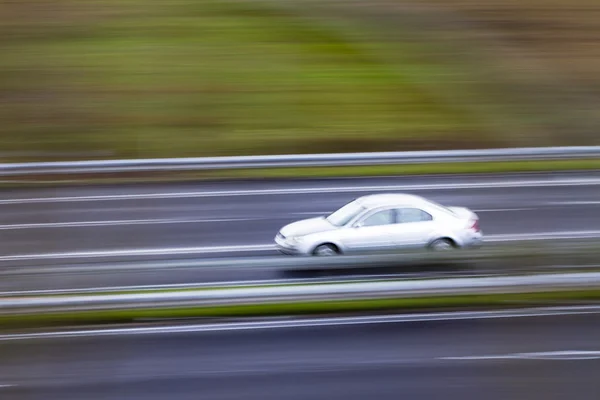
[(303, 293), (302, 160)]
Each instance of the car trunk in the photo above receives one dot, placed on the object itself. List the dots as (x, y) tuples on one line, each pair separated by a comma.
[(471, 219)]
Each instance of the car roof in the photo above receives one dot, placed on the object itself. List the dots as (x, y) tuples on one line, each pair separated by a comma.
[(387, 199)]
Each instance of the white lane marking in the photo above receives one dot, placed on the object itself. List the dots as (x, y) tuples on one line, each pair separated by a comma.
[(80, 224), (165, 221), (5, 386), (574, 203), (142, 252), (542, 236), (264, 247), (174, 221), (549, 355), (316, 322), (312, 213), (506, 209), (314, 190)]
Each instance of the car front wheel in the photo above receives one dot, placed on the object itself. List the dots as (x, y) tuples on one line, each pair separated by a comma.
[(326, 250)]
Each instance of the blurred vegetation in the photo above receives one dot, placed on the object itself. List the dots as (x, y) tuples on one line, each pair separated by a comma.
[(500, 301), (132, 78)]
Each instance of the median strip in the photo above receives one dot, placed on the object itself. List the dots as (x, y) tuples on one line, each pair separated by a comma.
[(301, 299), (433, 303)]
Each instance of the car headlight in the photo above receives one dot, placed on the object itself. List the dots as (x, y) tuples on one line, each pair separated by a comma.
[(295, 240)]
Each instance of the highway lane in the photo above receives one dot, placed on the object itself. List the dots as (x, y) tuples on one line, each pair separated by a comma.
[(549, 357), (565, 256), (216, 218)]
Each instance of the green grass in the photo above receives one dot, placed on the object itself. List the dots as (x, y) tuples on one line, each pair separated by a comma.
[(205, 77), (133, 78), (416, 169), (305, 308)]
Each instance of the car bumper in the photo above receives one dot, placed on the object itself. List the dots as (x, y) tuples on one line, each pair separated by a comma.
[(288, 251), (474, 241), (286, 248)]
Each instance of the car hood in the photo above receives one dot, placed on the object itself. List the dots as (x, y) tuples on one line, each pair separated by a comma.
[(307, 226)]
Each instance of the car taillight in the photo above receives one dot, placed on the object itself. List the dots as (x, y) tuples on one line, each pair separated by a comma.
[(475, 226)]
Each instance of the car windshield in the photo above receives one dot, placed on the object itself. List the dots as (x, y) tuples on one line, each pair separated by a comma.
[(345, 214)]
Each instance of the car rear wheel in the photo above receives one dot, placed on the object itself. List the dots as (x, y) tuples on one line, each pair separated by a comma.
[(442, 245), (326, 250)]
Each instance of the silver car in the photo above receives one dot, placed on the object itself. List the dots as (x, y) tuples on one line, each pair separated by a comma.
[(382, 222)]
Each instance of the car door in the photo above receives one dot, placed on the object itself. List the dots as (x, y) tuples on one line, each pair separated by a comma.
[(413, 227), (370, 232)]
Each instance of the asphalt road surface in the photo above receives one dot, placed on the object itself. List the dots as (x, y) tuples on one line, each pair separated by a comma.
[(242, 218), (550, 357)]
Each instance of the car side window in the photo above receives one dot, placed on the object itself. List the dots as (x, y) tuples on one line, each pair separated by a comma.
[(408, 215), (385, 217)]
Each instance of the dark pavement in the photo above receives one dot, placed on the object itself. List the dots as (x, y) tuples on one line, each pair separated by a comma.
[(414, 360), (196, 216)]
